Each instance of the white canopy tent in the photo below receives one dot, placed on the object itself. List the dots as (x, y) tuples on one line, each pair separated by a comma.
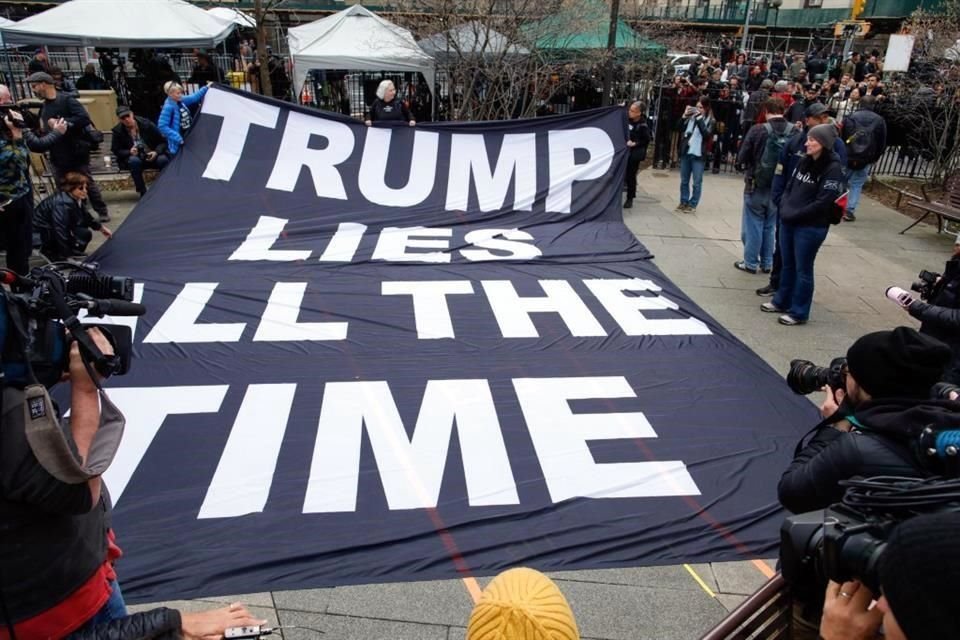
[(355, 39), (471, 39), (235, 16), (5, 22), (120, 23)]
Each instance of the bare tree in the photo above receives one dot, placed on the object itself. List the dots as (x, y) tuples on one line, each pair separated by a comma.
[(922, 107)]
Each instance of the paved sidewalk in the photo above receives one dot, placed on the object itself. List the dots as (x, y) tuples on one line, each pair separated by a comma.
[(858, 261)]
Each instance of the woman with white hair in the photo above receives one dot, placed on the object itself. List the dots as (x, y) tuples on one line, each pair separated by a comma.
[(175, 118), (386, 107)]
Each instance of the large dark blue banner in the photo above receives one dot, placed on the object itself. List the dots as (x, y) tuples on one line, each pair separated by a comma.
[(393, 353)]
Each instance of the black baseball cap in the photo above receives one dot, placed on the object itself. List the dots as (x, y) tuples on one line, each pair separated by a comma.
[(122, 111)]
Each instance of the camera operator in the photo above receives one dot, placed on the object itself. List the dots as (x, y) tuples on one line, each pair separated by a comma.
[(938, 310), (16, 201), (56, 546), (919, 573), (869, 424)]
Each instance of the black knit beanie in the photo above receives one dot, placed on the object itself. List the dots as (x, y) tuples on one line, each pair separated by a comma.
[(919, 574), (902, 363)]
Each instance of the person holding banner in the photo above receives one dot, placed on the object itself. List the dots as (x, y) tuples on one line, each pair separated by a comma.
[(386, 107), (176, 118)]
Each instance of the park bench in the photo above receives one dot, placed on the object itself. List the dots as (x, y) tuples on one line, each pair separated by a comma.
[(765, 615), (946, 209)]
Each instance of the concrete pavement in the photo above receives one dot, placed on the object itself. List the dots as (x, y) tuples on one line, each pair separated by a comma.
[(858, 261)]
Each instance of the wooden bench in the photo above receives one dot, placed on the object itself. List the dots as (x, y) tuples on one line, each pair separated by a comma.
[(948, 209), (765, 615), (899, 191)]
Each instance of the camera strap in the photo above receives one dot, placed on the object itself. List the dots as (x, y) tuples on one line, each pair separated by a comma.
[(49, 444), (89, 351)]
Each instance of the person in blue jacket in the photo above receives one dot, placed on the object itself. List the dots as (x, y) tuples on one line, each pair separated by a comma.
[(816, 113), (175, 117)]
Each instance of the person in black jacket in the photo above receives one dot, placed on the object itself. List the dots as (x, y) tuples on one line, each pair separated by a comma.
[(638, 142), (940, 313), (885, 405), (138, 144), (63, 221), (170, 624), (386, 107), (56, 547), (697, 136), (72, 151), (806, 211)]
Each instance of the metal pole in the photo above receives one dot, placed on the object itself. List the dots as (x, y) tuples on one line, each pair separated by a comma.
[(746, 28), (611, 52), (11, 81)]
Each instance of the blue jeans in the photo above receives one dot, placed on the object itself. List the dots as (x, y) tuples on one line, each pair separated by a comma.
[(856, 178), (114, 609), (798, 250), (137, 165), (691, 166), (758, 229)]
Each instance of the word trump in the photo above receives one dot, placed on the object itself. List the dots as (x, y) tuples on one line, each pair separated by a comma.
[(572, 155), (411, 467)]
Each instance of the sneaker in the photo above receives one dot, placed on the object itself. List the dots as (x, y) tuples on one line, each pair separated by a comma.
[(628, 204), (766, 269), (790, 321), (768, 290), (683, 206), (769, 307), (690, 209), (740, 264), (849, 217)]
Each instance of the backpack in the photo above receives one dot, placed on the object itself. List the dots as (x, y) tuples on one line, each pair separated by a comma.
[(763, 172), (863, 139)]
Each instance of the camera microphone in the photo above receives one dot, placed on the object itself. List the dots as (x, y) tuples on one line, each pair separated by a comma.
[(113, 308)]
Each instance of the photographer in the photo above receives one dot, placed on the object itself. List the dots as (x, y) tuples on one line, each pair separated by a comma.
[(918, 578), (939, 309), (56, 546), (138, 144), (16, 200), (872, 419)]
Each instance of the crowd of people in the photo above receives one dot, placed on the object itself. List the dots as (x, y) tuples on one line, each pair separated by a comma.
[(805, 133)]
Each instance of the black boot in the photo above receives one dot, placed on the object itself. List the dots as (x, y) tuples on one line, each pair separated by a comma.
[(628, 204)]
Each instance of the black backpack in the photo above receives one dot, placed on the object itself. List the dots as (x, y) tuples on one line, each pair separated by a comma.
[(763, 172), (864, 138)]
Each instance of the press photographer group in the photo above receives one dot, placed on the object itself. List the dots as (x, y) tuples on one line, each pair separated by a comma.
[(875, 484)]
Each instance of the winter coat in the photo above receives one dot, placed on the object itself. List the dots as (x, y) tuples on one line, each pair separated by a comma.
[(790, 156), (156, 624), (940, 316), (639, 132), (810, 191), (56, 219), (393, 111), (169, 120), (123, 141), (882, 445), (72, 149)]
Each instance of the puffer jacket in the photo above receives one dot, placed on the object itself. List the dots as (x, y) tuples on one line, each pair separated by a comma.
[(882, 444), (156, 624), (169, 120), (940, 317)]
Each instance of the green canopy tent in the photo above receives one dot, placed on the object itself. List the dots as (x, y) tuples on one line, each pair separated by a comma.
[(586, 26)]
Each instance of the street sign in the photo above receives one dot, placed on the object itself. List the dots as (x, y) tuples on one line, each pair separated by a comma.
[(855, 28)]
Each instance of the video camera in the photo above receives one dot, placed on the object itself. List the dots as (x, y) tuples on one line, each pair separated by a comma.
[(925, 284), (846, 541), (7, 109), (38, 322)]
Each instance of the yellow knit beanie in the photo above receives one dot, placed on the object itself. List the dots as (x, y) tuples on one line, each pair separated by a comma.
[(522, 604)]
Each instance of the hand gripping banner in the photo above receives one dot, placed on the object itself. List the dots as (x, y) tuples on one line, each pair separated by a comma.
[(393, 353)]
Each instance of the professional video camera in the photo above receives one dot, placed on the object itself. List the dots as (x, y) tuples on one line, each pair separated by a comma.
[(38, 322), (805, 377), (925, 284), (845, 541)]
